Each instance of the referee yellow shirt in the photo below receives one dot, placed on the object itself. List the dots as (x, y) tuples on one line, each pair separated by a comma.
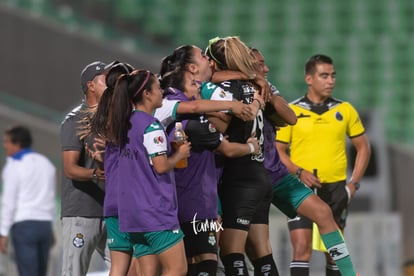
[(318, 140)]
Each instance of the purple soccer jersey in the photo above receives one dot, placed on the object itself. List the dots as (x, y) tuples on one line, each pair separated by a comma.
[(274, 166), (197, 184), (147, 200)]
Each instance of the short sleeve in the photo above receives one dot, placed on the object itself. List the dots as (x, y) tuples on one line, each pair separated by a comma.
[(155, 140), (69, 139), (355, 126), (210, 91), (167, 113), (274, 89), (284, 134)]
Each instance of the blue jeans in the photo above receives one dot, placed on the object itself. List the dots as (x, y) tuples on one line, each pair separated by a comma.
[(32, 241)]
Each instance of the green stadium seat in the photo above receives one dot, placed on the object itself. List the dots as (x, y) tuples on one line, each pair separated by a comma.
[(370, 41)]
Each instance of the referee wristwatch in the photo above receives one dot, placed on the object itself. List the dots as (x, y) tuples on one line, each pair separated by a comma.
[(299, 172), (357, 185)]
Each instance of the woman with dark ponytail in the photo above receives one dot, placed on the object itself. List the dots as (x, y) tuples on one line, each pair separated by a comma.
[(147, 204), (119, 244)]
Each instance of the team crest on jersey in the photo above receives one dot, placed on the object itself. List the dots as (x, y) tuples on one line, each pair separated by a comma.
[(78, 240), (222, 94), (339, 116), (212, 128), (158, 140), (212, 239), (248, 91)]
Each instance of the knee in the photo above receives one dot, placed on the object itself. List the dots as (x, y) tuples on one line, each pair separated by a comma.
[(325, 219), (325, 211), (302, 249), (180, 270)]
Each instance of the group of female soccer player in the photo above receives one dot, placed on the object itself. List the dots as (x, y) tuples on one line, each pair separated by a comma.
[(168, 219)]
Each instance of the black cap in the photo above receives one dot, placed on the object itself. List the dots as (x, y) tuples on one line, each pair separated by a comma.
[(90, 72)]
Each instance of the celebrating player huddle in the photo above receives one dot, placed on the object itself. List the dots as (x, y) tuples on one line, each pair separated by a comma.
[(118, 156)]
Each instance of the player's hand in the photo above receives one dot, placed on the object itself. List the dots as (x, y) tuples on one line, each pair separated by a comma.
[(265, 90), (242, 111), (4, 244), (310, 179), (99, 143), (350, 190), (95, 152), (100, 173), (260, 98), (184, 150)]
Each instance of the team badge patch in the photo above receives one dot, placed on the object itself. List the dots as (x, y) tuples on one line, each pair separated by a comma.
[(212, 239), (212, 128), (339, 116), (78, 240), (158, 140), (222, 94)]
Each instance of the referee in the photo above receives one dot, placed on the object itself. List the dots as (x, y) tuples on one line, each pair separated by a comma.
[(318, 142)]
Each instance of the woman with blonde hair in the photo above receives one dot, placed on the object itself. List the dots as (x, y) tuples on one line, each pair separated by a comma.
[(246, 215)]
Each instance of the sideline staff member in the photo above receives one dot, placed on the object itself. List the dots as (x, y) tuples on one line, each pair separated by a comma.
[(28, 203), (83, 185)]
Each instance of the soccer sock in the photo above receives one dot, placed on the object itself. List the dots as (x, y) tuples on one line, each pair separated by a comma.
[(299, 268), (265, 266), (207, 268), (339, 252), (234, 264), (332, 270), (191, 269)]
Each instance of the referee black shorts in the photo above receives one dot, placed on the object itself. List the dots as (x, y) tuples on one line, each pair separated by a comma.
[(336, 196)]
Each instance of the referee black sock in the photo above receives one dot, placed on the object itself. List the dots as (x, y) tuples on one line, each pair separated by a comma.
[(299, 268), (332, 270), (234, 265), (265, 266), (207, 268)]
